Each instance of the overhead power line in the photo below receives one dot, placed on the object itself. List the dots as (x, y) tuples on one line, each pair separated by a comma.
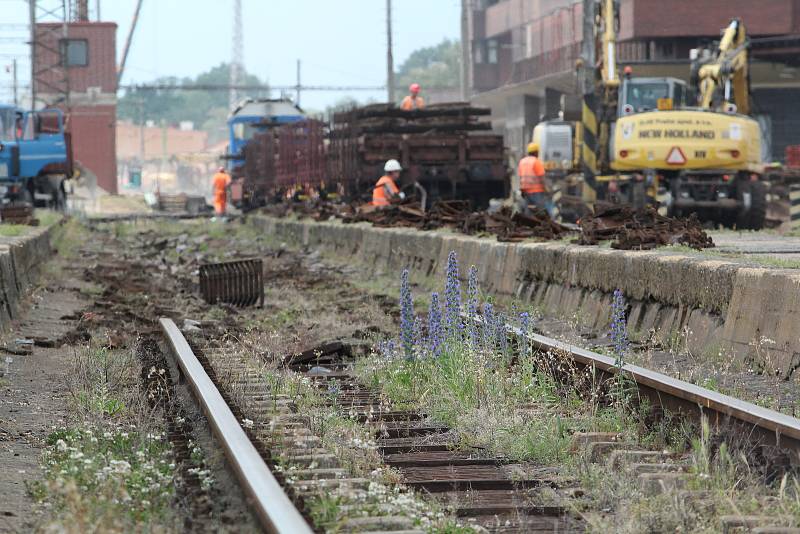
[(228, 87)]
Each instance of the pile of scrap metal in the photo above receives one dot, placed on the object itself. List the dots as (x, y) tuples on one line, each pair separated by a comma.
[(504, 223), (642, 229), (18, 214)]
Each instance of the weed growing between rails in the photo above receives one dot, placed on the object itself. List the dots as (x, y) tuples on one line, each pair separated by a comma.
[(469, 372)]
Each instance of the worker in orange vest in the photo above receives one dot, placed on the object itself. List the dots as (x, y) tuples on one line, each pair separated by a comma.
[(413, 101), (221, 182), (386, 187), (531, 178)]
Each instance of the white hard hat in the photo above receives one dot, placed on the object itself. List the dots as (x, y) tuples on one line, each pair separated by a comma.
[(392, 165)]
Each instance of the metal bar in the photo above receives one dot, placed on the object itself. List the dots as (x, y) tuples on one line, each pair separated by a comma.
[(771, 420), (275, 511)]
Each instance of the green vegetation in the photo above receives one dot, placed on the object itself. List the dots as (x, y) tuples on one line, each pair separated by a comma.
[(432, 66), (108, 478)]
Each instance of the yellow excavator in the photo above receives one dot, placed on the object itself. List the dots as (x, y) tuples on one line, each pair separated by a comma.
[(691, 149)]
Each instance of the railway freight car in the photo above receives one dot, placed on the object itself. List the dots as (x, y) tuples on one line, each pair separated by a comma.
[(445, 149)]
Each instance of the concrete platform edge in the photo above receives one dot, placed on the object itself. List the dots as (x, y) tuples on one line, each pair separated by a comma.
[(711, 305)]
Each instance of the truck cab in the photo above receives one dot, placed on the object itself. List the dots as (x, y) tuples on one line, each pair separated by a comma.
[(35, 156)]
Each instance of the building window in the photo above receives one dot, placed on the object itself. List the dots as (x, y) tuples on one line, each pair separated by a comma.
[(491, 51), (74, 52), (477, 52)]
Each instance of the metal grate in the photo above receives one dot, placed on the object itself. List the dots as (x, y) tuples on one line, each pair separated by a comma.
[(239, 282)]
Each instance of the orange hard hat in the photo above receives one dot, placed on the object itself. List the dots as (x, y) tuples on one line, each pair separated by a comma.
[(414, 88), (628, 70)]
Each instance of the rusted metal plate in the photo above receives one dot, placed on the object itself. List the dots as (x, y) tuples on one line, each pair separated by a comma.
[(18, 214), (239, 282)]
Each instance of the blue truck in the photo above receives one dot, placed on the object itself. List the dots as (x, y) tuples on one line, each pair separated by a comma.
[(35, 157)]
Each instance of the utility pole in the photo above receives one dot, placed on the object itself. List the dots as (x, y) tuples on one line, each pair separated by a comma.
[(32, 16), (297, 96), (389, 56), (14, 78), (466, 45), (97, 10), (237, 55)]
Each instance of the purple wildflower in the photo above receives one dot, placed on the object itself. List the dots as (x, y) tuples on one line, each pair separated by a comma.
[(435, 325), (619, 327), (452, 296), (488, 327), (406, 316), (472, 305)]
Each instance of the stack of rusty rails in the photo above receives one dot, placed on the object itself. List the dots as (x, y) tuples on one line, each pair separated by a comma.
[(443, 148), (18, 214), (257, 183), (238, 282), (643, 229), (300, 155)]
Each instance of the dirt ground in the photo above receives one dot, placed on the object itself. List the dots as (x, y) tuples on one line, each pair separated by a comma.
[(33, 394)]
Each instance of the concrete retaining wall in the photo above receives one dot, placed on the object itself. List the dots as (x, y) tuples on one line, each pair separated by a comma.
[(753, 312), (21, 259)]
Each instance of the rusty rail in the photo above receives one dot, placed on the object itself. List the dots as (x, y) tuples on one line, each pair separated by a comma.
[(777, 428), (276, 513)]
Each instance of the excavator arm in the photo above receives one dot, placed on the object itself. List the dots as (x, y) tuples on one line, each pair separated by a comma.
[(722, 76)]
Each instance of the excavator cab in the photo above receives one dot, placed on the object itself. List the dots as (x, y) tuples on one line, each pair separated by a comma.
[(639, 95)]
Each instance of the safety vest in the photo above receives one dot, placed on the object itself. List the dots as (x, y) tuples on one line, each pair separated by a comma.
[(412, 102), (379, 197), (531, 175)]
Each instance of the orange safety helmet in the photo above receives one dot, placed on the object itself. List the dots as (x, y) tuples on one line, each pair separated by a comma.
[(414, 88)]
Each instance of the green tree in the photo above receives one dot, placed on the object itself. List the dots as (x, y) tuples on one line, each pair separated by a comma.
[(206, 109), (432, 66)]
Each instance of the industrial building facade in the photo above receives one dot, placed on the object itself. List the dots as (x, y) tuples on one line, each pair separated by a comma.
[(524, 55), (76, 71)]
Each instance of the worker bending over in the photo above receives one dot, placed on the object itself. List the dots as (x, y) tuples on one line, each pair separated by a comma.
[(221, 182), (413, 101), (531, 178), (386, 187)]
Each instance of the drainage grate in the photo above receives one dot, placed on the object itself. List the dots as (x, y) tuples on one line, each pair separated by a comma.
[(239, 282)]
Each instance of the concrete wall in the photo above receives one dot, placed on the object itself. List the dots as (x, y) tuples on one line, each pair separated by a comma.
[(717, 304), (20, 261)]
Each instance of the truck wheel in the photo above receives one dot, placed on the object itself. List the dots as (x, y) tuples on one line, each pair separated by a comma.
[(754, 218)]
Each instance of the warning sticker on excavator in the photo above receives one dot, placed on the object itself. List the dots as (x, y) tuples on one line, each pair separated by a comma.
[(676, 156), (736, 132)]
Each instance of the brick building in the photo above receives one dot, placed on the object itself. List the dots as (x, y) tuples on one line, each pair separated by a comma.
[(77, 71), (524, 54)]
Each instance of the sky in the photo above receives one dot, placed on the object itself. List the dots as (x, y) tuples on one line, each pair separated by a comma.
[(338, 42)]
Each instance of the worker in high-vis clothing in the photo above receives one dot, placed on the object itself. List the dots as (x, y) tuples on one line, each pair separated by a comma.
[(386, 188), (221, 182), (531, 178), (413, 101)]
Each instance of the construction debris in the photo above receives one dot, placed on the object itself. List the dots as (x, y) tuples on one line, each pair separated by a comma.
[(642, 229), (18, 214), (629, 229)]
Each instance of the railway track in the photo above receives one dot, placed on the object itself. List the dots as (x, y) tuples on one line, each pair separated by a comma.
[(492, 493)]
